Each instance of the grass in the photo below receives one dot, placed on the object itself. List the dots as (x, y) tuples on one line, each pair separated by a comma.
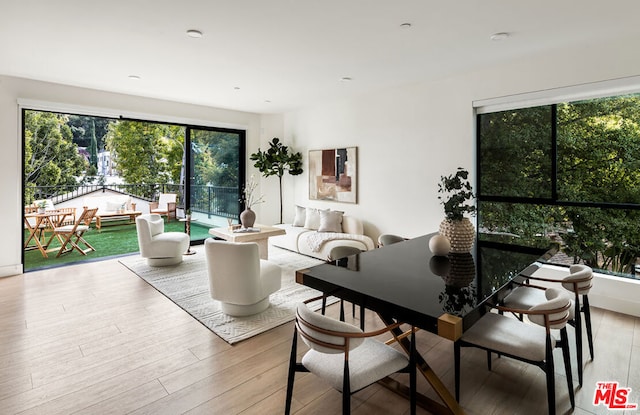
[(117, 239)]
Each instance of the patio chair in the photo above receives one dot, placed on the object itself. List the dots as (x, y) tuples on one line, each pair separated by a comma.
[(166, 205), (70, 236)]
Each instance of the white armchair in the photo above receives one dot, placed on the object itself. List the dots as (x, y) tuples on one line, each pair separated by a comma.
[(159, 247), (238, 278)]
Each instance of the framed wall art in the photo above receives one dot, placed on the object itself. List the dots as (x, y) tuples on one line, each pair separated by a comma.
[(333, 174)]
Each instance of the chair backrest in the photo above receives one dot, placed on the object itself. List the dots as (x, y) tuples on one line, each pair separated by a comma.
[(579, 280), (388, 239), (325, 334), (70, 217), (148, 226), (234, 271), (342, 251), (86, 216), (165, 199), (553, 313)]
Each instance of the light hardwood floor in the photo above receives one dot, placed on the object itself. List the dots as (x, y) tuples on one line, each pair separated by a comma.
[(96, 339)]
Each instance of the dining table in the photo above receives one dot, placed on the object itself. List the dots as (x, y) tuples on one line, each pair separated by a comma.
[(404, 282), (37, 223)]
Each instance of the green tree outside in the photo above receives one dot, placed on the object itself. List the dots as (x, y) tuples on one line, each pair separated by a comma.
[(146, 153), (51, 158), (598, 161)]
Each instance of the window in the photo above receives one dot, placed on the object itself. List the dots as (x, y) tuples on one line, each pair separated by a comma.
[(69, 158), (567, 173)]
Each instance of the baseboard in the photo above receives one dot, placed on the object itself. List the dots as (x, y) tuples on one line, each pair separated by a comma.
[(616, 294), (11, 270)]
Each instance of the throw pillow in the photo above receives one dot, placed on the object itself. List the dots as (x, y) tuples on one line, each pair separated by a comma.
[(312, 220), (301, 216), (113, 206), (330, 221)]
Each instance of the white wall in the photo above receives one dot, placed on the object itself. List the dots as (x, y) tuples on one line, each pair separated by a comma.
[(14, 89)]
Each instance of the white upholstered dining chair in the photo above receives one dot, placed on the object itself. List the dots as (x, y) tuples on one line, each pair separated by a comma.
[(345, 356), (578, 282), (529, 343)]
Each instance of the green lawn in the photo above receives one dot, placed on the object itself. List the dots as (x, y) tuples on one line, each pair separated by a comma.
[(113, 240)]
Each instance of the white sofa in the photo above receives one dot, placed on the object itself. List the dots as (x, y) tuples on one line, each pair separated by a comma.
[(315, 232), (108, 202)]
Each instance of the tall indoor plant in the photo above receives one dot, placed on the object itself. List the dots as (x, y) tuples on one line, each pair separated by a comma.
[(456, 196), (277, 160)]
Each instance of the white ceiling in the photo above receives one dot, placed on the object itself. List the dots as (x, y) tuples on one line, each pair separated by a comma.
[(290, 52)]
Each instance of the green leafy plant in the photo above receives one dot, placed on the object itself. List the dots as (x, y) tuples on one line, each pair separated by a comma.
[(277, 160), (456, 193)]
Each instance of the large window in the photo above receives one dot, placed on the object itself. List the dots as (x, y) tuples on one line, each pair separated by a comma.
[(73, 160), (567, 173)]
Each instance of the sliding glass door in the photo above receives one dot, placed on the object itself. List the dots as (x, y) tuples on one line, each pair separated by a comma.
[(216, 173)]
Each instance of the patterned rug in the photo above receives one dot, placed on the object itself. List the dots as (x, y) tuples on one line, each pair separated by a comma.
[(187, 285)]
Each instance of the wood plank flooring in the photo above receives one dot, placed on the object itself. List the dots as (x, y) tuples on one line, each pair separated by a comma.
[(96, 339)]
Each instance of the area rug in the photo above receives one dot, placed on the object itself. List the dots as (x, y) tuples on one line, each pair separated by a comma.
[(187, 285)]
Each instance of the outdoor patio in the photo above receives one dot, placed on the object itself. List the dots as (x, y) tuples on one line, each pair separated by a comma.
[(114, 240)]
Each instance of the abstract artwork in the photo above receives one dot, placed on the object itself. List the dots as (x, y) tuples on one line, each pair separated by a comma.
[(332, 174)]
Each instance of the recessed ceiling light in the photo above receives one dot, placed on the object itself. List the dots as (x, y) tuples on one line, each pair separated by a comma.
[(346, 79), (499, 36), (405, 25), (196, 34), (134, 77)]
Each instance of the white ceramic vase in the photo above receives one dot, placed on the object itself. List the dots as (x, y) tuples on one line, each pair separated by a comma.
[(461, 234)]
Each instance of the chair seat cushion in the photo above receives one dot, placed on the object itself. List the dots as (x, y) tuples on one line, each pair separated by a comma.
[(368, 363), (509, 335), (69, 228), (526, 297)]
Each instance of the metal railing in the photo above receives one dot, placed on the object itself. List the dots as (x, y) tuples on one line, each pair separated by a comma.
[(209, 200)]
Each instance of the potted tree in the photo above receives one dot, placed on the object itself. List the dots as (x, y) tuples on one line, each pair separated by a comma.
[(456, 197), (276, 161)]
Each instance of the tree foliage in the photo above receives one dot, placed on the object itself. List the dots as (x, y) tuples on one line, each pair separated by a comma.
[(51, 158), (598, 161), (146, 153), (216, 161), (277, 160), (84, 126)]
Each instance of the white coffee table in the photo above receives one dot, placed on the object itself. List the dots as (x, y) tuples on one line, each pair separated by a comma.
[(261, 238)]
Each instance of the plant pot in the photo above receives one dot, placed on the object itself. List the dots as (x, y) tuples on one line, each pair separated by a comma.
[(247, 218), (461, 234)]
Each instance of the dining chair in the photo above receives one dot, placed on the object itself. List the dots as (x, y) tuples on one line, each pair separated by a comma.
[(338, 254), (579, 282), (348, 358), (388, 239), (166, 205), (529, 343), (70, 236)]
